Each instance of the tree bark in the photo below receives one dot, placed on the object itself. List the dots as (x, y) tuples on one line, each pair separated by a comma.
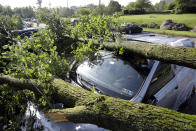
[(184, 56), (111, 113)]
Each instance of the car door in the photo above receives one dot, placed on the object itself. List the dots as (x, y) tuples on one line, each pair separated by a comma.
[(176, 91), (162, 76)]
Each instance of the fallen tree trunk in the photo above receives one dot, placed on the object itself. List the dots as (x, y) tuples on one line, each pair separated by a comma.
[(184, 56), (111, 113)]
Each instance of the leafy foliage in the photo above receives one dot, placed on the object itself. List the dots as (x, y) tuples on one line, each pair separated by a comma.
[(143, 4), (13, 105), (35, 58), (131, 6), (66, 35), (24, 12), (11, 23), (60, 28), (84, 51), (113, 7), (161, 6), (183, 6), (138, 7), (44, 55), (83, 11), (6, 25), (99, 10), (97, 28)]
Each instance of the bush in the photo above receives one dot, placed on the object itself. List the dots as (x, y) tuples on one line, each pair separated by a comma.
[(182, 6), (11, 23), (134, 12), (83, 11), (7, 24), (171, 5), (97, 29)]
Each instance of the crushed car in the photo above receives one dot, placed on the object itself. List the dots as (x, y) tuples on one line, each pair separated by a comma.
[(137, 79)]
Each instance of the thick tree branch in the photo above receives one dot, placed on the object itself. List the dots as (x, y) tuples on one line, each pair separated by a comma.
[(184, 56), (108, 112)]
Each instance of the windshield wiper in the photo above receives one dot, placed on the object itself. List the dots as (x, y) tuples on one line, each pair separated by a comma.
[(89, 85)]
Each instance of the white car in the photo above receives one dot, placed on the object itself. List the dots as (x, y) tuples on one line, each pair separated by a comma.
[(174, 87), (138, 79)]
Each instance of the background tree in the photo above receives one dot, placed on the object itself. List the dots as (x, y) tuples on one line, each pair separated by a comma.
[(7, 11), (99, 10), (131, 6), (24, 12), (83, 11), (91, 6), (1, 8), (143, 4), (183, 6), (171, 5), (113, 7), (65, 12), (161, 6), (11, 23), (39, 3)]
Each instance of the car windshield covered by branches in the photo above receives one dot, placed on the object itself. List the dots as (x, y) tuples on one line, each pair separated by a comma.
[(133, 78), (112, 75)]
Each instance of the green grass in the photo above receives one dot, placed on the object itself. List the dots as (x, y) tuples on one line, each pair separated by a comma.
[(188, 19), (171, 32)]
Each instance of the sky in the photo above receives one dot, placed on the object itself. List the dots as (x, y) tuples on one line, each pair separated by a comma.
[(62, 3)]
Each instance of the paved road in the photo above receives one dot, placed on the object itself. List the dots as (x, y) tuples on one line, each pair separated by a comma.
[(160, 39)]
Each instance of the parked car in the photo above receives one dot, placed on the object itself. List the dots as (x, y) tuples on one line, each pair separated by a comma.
[(74, 21), (136, 79), (25, 32), (129, 28)]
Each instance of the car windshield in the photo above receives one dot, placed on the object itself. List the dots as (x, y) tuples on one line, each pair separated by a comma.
[(112, 75)]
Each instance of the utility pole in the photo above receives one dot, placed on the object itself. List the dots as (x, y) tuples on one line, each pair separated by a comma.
[(67, 3), (50, 4), (100, 9)]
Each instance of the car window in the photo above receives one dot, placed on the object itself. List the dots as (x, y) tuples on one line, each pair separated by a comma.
[(161, 77), (114, 76)]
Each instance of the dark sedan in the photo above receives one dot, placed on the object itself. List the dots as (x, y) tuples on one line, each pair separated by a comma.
[(129, 28)]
